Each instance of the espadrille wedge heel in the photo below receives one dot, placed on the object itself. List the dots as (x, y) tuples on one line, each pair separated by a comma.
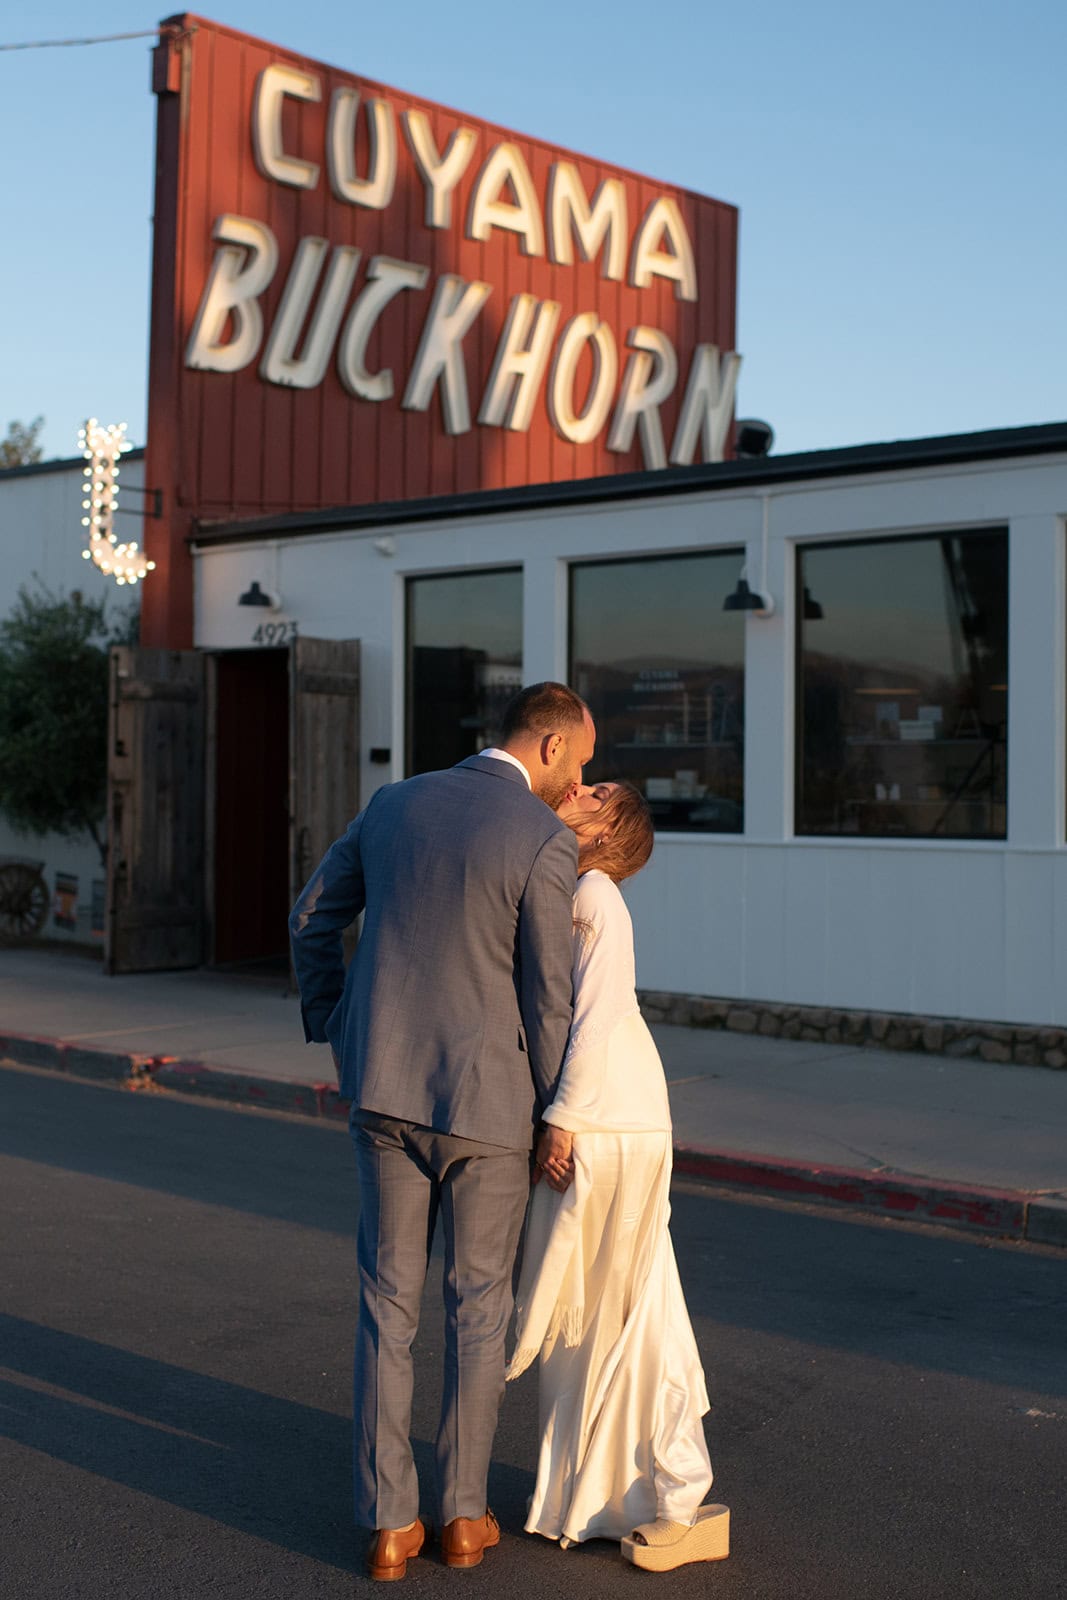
[(662, 1546)]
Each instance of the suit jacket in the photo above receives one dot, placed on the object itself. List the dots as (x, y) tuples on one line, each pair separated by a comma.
[(455, 1008)]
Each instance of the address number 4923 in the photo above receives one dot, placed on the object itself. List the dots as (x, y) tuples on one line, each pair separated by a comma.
[(274, 633)]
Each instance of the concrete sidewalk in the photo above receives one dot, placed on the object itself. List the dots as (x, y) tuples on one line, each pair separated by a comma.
[(963, 1143)]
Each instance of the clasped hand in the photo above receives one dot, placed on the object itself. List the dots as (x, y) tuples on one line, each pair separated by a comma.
[(553, 1159)]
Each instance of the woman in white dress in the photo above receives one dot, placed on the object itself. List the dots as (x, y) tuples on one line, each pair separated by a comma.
[(622, 1390)]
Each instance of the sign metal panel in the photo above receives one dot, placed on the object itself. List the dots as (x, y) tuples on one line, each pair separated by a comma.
[(360, 297)]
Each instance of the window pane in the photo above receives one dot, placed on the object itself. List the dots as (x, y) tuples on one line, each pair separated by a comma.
[(903, 687), (464, 644), (661, 667)]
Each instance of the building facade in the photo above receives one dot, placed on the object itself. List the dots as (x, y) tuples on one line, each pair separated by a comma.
[(436, 409), (860, 797)]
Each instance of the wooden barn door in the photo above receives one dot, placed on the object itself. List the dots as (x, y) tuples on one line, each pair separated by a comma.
[(155, 808), (323, 749)]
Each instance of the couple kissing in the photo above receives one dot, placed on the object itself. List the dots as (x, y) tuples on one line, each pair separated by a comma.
[(489, 1012)]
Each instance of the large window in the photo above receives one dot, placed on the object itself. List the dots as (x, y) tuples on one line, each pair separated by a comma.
[(464, 662), (661, 667), (902, 687)]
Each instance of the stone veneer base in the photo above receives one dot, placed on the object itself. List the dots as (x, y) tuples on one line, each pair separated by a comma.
[(886, 1030)]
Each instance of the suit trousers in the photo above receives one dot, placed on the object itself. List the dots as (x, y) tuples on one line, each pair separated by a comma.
[(409, 1174)]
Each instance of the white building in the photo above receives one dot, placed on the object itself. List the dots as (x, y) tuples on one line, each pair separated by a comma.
[(41, 542), (860, 798)]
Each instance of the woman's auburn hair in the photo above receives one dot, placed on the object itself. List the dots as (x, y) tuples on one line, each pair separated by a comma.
[(627, 837)]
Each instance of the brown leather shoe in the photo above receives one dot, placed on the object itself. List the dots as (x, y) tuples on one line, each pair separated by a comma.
[(390, 1551), (465, 1540)]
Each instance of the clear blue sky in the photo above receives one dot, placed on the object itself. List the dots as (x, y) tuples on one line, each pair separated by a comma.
[(900, 173)]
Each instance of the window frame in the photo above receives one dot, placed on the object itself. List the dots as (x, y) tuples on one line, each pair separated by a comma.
[(853, 840), (735, 551), (408, 579)]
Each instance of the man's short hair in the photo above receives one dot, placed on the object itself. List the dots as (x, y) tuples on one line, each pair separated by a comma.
[(541, 708)]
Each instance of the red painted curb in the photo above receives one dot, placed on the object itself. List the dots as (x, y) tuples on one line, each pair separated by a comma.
[(998, 1211)]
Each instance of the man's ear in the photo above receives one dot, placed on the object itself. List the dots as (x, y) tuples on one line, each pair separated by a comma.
[(551, 745)]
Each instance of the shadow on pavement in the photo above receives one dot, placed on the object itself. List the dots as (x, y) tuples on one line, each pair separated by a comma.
[(261, 1465)]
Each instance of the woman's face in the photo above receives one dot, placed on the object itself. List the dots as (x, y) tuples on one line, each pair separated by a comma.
[(580, 804)]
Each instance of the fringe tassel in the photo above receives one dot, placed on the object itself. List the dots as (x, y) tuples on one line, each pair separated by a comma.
[(568, 1322), (519, 1362), (572, 1325)]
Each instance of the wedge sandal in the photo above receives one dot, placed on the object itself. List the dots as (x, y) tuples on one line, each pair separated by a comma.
[(662, 1546)]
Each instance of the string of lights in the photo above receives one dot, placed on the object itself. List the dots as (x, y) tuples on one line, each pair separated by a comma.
[(102, 447)]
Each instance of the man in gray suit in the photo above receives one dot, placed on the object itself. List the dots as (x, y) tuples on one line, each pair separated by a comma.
[(449, 1030)]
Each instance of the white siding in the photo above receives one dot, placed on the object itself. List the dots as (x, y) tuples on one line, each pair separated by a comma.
[(971, 929)]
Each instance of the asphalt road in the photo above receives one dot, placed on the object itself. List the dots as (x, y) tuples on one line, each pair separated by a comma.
[(176, 1284)]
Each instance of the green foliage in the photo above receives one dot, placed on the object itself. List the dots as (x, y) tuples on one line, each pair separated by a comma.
[(126, 623), (20, 448), (53, 714)]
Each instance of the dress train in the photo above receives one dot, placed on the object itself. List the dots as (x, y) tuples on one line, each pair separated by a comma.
[(622, 1389)]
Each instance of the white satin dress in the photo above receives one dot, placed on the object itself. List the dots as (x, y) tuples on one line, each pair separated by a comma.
[(622, 1389)]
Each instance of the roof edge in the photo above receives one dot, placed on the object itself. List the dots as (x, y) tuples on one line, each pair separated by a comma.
[(60, 464)]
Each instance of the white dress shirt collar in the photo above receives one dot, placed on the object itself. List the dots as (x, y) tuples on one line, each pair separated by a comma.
[(503, 755)]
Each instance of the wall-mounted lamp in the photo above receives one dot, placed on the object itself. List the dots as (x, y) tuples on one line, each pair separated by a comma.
[(255, 596), (759, 601), (745, 599)]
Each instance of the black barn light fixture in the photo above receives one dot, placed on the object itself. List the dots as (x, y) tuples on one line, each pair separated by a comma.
[(758, 601), (743, 598), (255, 596)]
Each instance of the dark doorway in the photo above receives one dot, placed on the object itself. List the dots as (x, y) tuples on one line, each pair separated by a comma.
[(251, 835)]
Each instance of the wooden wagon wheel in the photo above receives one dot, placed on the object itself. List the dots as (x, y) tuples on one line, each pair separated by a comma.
[(23, 901)]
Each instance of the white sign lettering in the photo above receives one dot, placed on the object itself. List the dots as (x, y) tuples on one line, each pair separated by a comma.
[(376, 189), (272, 86), (323, 309), (649, 380), (519, 364), (569, 212), (439, 174), (505, 165), (663, 222), (581, 427), (245, 265), (439, 357), (661, 247), (241, 271), (707, 407), (280, 363), (386, 279)]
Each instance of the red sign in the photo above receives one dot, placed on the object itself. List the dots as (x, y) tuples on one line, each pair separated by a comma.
[(360, 296)]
